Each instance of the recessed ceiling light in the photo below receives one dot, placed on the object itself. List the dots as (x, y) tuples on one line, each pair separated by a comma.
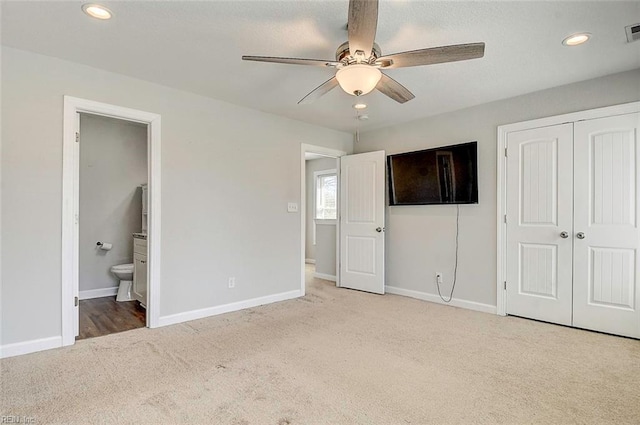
[(96, 11), (576, 39), (360, 106)]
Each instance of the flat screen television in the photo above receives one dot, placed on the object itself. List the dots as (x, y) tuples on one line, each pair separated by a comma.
[(445, 175)]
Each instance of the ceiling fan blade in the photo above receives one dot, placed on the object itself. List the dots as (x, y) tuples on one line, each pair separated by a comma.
[(394, 89), (363, 21), (442, 54), (319, 91), (292, 61)]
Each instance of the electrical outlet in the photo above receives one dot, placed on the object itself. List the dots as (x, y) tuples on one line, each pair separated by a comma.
[(438, 277), (232, 282)]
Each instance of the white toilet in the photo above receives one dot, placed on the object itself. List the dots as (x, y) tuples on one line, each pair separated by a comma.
[(124, 272)]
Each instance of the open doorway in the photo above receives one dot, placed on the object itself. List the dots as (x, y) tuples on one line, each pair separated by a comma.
[(321, 218), (320, 199), (112, 225), (360, 223), (140, 244)]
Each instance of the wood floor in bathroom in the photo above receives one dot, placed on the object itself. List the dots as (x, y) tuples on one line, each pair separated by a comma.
[(104, 316)]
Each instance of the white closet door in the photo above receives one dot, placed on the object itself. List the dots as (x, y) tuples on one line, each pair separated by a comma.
[(606, 265), (539, 210)]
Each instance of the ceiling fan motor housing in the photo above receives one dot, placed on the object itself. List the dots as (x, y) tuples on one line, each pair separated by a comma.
[(343, 54)]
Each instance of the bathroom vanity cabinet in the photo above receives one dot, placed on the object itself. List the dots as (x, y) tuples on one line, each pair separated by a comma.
[(139, 289)]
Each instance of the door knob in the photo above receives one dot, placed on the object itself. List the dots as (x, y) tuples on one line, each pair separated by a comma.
[(564, 235), (580, 235), (378, 229)]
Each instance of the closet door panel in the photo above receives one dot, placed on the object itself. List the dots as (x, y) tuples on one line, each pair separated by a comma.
[(539, 210), (606, 294)]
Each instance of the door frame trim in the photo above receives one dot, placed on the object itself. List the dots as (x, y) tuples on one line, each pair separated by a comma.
[(332, 153), (71, 201), (503, 132)]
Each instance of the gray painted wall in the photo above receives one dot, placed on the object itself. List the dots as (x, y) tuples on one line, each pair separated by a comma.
[(312, 166), (113, 163), (420, 240), (226, 172), (326, 249)]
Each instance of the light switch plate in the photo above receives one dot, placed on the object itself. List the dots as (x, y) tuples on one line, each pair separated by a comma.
[(292, 207)]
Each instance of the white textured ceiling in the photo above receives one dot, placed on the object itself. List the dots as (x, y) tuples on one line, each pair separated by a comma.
[(196, 46)]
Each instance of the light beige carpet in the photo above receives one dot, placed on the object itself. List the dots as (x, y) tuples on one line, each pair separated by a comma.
[(334, 357)]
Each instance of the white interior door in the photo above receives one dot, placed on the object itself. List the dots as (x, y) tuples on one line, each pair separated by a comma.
[(606, 264), (539, 217), (362, 189)]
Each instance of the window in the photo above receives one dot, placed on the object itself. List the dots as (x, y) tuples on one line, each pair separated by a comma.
[(326, 195)]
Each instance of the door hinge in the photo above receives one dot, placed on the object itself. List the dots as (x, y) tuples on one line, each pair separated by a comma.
[(75, 301), (505, 151), (505, 219), (505, 285), (77, 137)]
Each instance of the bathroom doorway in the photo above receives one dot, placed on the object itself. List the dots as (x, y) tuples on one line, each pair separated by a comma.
[(111, 226)]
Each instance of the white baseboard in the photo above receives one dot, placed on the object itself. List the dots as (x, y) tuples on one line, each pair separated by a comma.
[(309, 261), (470, 305), (226, 308), (98, 293), (332, 278), (19, 348)]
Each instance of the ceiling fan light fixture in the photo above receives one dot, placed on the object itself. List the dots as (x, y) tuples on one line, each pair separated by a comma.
[(97, 11), (358, 79), (576, 39)]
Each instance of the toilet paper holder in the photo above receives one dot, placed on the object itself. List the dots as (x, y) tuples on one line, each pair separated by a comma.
[(105, 246)]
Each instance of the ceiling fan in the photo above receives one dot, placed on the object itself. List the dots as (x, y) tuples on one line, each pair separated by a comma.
[(359, 61)]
